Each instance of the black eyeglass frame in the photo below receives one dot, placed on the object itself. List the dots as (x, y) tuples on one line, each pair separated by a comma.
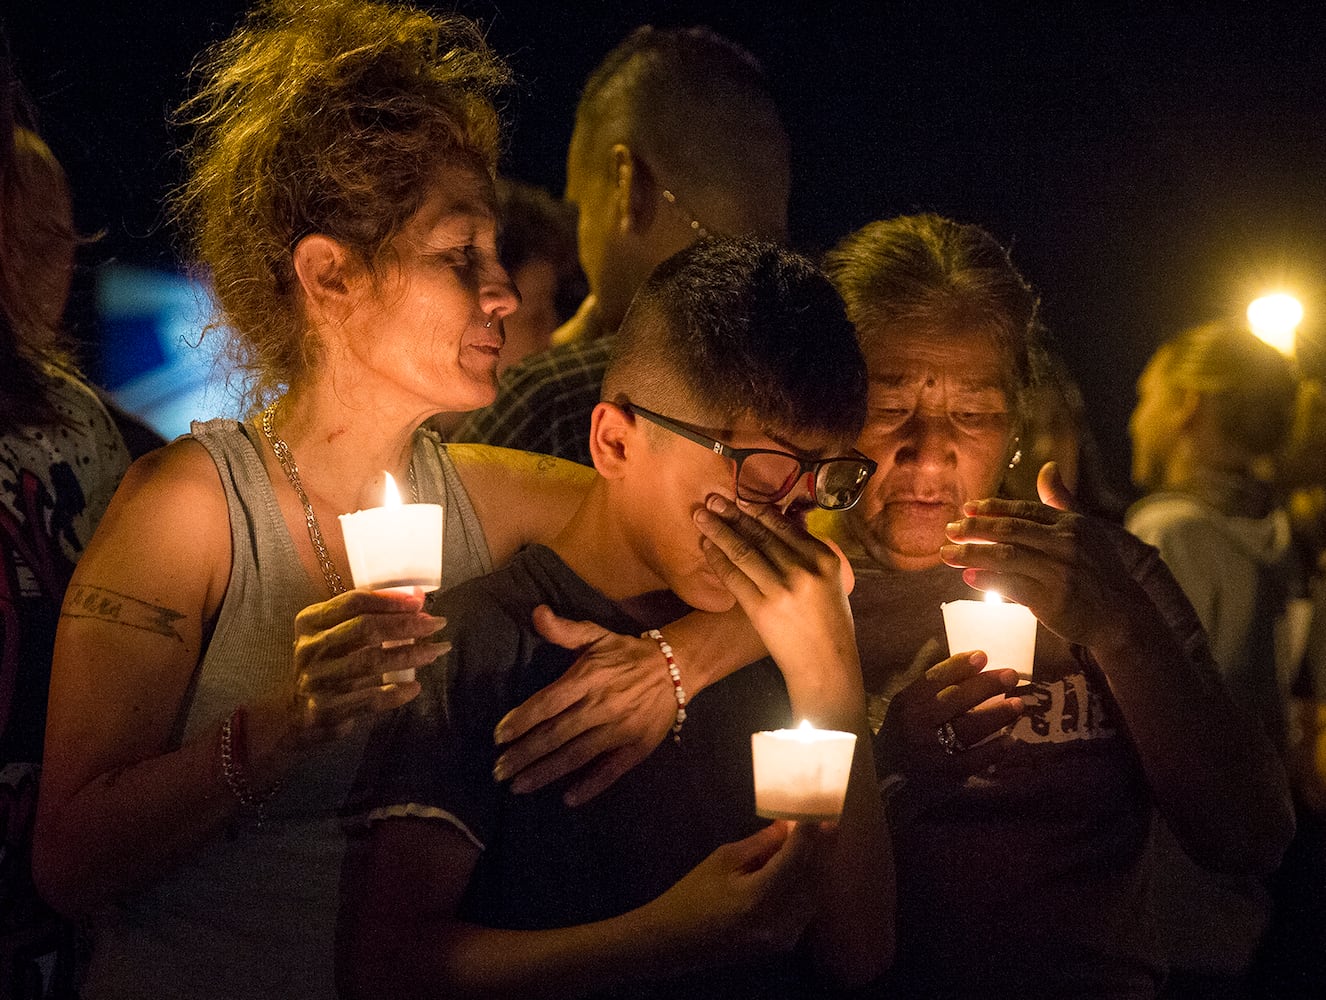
[(739, 455)]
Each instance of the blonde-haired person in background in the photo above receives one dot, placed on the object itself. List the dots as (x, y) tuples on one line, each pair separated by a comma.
[(1215, 409)]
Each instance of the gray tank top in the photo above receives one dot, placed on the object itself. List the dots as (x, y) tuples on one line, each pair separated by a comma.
[(252, 912)]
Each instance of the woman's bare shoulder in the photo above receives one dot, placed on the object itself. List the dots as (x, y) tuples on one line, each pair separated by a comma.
[(178, 476), (513, 465), (169, 517), (519, 497), (501, 473)]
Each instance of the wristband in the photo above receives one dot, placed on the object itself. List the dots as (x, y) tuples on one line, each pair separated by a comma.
[(675, 674), (234, 766)]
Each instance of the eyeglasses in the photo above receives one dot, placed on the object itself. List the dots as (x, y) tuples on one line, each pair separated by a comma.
[(765, 476)]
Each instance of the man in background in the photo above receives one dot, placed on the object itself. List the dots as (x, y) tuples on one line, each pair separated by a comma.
[(676, 138)]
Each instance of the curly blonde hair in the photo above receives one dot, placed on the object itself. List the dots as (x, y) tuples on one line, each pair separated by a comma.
[(322, 116)]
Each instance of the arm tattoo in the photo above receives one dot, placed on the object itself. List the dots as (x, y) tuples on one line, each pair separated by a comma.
[(104, 605)]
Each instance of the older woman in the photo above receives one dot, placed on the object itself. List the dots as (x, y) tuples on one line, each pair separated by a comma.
[(1022, 856), (212, 666), (1020, 824)]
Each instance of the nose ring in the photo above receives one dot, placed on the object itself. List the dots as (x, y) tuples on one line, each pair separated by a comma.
[(489, 324)]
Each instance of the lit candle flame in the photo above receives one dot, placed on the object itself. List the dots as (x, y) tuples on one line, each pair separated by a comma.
[(993, 597), (1275, 319), (391, 496), (805, 733)]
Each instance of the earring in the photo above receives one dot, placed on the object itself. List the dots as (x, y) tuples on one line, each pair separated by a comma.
[(1017, 455)]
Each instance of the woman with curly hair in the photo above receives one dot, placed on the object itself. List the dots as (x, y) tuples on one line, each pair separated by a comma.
[(213, 666)]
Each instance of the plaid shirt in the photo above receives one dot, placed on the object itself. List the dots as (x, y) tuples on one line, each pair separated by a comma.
[(544, 403)]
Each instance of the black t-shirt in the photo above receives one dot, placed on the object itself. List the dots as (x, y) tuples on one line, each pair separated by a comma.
[(1029, 879), (544, 865)]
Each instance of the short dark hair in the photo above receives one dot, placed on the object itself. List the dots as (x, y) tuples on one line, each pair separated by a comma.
[(536, 226), (926, 270), (650, 58), (742, 327), (699, 107)]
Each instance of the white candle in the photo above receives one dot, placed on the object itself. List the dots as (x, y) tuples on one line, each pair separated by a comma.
[(395, 547), (1005, 632), (801, 774)]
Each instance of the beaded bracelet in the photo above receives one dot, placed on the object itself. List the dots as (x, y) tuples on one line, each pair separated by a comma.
[(234, 762), (675, 674)]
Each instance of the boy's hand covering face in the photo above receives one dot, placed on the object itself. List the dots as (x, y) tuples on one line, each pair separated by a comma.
[(789, 583)]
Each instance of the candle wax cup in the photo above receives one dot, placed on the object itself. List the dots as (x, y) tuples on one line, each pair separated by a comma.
[(395, 547), (1005, 632), (801, 774)]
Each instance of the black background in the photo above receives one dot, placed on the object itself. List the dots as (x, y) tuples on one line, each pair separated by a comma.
[(1150, 166)]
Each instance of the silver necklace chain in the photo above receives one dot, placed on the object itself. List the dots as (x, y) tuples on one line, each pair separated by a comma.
[(287, 462)]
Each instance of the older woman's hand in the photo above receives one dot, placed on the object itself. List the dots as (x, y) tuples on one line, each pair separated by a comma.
[(954, 693), (344, 647), (1063, 566)]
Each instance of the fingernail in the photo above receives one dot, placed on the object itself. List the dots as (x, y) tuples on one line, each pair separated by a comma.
[(717, 504), (953, 527), (971, 507), (979, 659), (949, 551), (500, 732), (500, 769), (519, 785)]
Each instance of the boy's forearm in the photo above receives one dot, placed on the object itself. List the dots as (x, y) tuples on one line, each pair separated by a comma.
[(711, 645), (425, 958)]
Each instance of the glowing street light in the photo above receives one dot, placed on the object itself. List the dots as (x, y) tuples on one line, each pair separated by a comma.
[(1274, 318)]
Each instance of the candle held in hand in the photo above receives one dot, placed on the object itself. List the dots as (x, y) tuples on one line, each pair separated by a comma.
[(801, 774), (395, 546), (1005, 632)]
